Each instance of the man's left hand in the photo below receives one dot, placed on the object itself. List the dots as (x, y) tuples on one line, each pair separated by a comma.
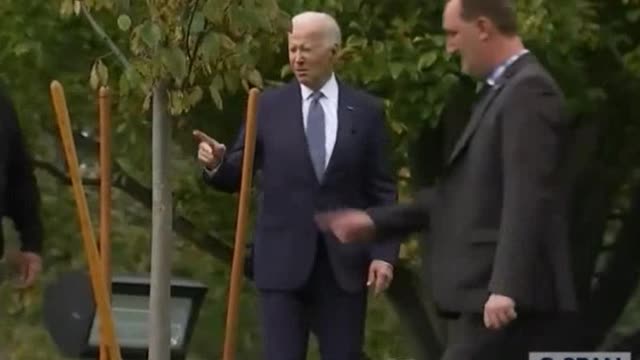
[(380, 276), (499, 311)]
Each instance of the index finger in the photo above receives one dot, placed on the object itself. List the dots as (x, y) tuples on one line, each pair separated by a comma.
[(200, 136)]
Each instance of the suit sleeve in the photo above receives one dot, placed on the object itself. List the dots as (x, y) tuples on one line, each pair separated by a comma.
[(533, 132), (22, 193), (228, 174), (381, 184), (400, 220)]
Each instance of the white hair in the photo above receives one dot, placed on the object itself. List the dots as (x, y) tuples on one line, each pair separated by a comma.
[(330, 26)]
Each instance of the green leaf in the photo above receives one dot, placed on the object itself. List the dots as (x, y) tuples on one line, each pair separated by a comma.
[(195, 95), (103, 72), (124, 22), (427, 60), (211, 46), (218, 81), (177, 102), (237, 18), (438, 40), (214, 11), (396, 69), (227, 43), (66, 8), (123, 85), (22, 48), (215, 95), (232, 82), (285, 71), (596, 94), (197, 25), (176, 62), (378, 47), (133, 77), (634, 15), (151, 34), (356, 41)]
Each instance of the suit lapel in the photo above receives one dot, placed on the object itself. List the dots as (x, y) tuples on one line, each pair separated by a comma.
[(481, 108), (345, 126), (476, 117)]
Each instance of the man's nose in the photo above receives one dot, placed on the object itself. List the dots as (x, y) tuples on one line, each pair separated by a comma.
[(295, 55)]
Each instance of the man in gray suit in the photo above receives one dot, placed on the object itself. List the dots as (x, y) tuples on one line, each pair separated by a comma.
[(496, 254)]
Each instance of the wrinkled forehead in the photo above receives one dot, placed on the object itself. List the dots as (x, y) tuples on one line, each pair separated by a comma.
[(306, 34)]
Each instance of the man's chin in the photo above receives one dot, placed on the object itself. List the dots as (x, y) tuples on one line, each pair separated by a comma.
[(302, 78)]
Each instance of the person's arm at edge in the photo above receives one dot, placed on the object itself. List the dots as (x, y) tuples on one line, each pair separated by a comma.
[(22, 192)]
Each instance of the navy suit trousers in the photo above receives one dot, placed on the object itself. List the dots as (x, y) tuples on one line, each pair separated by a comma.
[(321, 307)]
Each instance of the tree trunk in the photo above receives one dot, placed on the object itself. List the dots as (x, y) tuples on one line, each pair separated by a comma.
[(161, 234), (617, 283)]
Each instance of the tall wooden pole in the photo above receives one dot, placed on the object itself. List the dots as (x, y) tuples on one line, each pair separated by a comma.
[(104, 108), (241, 227), (91, 250)]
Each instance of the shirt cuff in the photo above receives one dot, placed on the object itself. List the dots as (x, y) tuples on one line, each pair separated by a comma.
[(212, 172)]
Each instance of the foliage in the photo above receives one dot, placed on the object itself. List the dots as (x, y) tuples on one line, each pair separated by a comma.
[(213, 50)]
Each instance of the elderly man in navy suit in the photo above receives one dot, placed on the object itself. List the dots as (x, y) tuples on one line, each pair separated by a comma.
[(320, 145)]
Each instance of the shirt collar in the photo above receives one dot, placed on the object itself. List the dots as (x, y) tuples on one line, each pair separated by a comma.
[(329, 89), (498, 71)]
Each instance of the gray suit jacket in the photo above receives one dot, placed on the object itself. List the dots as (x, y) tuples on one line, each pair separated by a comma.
[(497, 221)]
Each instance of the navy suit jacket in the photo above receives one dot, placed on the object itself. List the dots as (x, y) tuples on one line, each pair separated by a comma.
[(358, 176)]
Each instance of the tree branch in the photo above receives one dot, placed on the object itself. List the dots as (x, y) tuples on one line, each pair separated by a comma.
[(103, 35), (210, 243), (191, 16)]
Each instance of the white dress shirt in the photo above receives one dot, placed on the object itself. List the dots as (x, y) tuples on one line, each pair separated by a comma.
[(329, 103)]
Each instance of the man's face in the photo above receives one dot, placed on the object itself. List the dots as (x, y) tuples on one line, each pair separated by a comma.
[(311, 57), (466, 39)]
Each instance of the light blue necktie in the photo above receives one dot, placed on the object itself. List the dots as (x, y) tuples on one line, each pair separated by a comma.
[(316, 135)]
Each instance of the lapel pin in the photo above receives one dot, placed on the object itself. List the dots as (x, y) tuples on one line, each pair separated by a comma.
[(349, 107)]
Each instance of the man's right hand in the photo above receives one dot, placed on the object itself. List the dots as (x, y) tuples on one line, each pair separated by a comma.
[(348, 225), (210, 152)]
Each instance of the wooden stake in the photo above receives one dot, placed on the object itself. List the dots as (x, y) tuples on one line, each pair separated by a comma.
[(91, 251), (237, 265)]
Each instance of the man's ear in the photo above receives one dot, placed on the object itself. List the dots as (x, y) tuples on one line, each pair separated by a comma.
[(485, 28), (335, 50)]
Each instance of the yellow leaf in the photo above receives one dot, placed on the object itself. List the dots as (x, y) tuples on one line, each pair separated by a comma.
[(255, 78), (94, 78)]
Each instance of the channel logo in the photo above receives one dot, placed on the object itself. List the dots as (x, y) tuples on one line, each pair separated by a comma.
[(580, 356)]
